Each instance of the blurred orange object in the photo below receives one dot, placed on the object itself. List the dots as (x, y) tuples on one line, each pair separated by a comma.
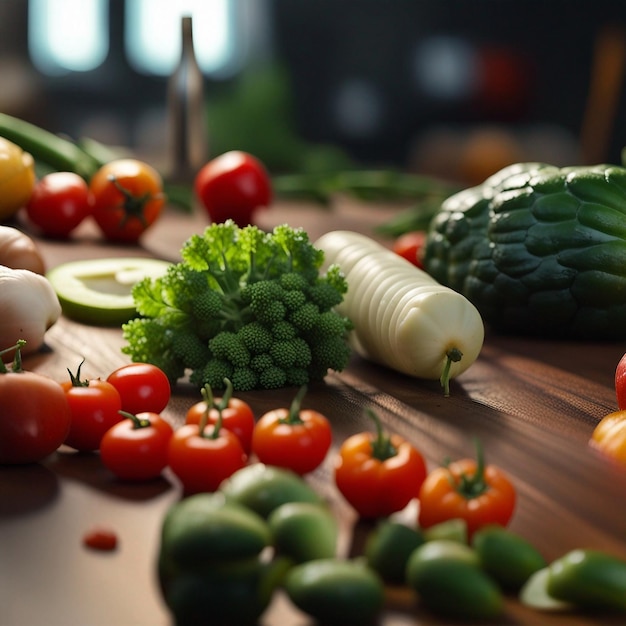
[(609, 436)]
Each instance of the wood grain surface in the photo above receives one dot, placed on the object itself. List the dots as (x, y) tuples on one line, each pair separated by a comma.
[(533, 404)]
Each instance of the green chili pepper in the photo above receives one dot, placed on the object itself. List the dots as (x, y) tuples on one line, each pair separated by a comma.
[(336, 591), (448, 579), (388, 548), (264, 488), (506, 556), (589, 578)]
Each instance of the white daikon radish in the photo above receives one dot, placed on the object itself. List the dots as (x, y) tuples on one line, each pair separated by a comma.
[(403, 318)]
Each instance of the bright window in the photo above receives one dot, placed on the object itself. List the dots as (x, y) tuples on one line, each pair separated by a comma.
[(68, 35), (153, 35)]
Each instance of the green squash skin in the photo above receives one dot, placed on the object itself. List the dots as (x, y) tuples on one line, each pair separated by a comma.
[(539, 250)]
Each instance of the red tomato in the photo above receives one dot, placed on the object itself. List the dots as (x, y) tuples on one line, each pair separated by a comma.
[(293, 438), (236, 415), (233, 186), (101, 538), (59, 203), (411, 247), (202, 457), (35, 415), (95, 407), (127, 199), (620, 383), (379, 474), (143, 387), (469, 490), (136, 448)]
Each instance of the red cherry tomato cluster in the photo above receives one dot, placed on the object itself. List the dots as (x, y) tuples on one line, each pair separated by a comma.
[(221, 435), (124, 197), (380, 474)]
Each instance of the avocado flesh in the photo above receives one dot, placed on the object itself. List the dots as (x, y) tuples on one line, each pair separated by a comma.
[(99, 291)]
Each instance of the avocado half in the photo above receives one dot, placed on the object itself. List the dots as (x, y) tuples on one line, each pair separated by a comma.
[(99, 291)]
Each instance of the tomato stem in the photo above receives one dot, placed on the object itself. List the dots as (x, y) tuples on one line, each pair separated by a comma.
[(137, 422), (454, 355), (472, 486), (133, 205), (209, 400), (293, 416), (16, 367), (382, 448), (76, 382)]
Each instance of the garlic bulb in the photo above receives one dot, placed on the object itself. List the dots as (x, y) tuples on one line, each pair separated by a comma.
[(19, 251), (28, 307)]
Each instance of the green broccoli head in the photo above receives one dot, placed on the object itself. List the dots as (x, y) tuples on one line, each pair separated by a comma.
[(243, 304)]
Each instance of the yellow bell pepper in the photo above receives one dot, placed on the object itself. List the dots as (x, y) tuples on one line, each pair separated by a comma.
[(609, 436), (17, 178)]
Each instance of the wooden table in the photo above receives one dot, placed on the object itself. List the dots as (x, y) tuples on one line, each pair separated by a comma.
[(533, 404)]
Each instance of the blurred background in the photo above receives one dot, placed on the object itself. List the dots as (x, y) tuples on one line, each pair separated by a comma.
[(453, 88)]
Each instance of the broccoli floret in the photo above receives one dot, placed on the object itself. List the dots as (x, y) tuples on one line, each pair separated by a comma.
[(294, 300), (292, 281), (303, 352), (190, 349), (283, 330), (243, 304), (256, 337), (325, 295), (229, 347), (206, 305), (261, 362), (330, 324), (273, 378), (297, 376), (244, 379), (305, 317), (283, 354), (213, 374), (329, 353), (271, 313)]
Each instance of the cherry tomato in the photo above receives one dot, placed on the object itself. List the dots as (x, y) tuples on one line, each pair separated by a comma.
[(377, 473), (236, 415), (411, 246), (292, 438), (203, 455), (233, 186), (127, 199), (100, 538), (620, 383), (95, 407), (467, 489), (59, 203), (142, 387), (136, 448), (35, 416), (609, 436)]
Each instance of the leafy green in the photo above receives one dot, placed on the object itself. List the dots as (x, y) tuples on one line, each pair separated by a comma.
[(245, 305)]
